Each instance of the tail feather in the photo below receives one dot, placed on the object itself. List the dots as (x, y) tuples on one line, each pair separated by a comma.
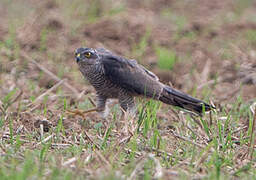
[(177, 98)]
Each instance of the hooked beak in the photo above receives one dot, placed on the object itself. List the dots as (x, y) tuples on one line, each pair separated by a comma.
[(78, 58)]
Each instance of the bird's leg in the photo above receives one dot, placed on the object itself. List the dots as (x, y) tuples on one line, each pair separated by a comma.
[(126, 102), (100, 106), (81, 112), (128, 107)]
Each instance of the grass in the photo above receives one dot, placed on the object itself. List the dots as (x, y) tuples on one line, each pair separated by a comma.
[(241, 5), (139, 49), (166, 58), (251, 37), (161, 141), (147, 147), (43, 39)]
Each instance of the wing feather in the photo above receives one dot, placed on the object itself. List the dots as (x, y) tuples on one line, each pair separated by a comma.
[(130, 75)]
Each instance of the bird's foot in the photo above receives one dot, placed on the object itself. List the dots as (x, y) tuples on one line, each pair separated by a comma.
[(127, 118), (81, 112)]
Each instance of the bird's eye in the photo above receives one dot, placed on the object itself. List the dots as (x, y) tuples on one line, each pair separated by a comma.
[(87, 54)]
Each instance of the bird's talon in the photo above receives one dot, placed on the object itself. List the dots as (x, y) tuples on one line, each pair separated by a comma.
[(80, 112), (75, 112)]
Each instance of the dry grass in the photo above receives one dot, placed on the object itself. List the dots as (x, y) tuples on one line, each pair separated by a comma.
[(213, 58)]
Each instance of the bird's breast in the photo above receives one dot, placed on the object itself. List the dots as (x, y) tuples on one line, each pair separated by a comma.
[(102, 85)]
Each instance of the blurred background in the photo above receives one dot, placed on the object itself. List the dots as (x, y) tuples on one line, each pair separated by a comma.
[(206, 48), (198, 46)]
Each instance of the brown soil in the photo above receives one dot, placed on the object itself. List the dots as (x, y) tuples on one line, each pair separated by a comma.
[(210, 39)]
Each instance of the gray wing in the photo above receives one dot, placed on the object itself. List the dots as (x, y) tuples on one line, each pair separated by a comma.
[(131, 76), (146, 70), (149, 73), (103, 51)]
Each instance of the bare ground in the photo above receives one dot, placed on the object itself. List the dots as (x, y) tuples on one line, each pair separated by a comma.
[(214, 42)]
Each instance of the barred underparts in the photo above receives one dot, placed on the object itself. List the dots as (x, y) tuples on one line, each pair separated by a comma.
[(116, 77)]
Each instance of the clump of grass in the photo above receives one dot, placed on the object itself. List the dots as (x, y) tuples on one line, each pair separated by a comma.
[(89, 148), (11, 43), (116, 10), (94, 10), (7, 100), (178, 20), (166, 58), (251, 36), (241, 5), (43, 39), (140, 48)]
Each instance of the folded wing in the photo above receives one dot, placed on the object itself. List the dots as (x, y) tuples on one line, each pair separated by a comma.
[(131, 76)]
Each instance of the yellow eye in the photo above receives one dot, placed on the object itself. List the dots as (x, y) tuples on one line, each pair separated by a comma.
[(87, 54)]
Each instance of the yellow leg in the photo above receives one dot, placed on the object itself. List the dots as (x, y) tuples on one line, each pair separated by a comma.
[(81, 113)]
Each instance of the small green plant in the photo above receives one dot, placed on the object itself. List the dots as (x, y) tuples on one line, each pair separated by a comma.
[(217, 145), (166, 58), (139, 48), (10, 40), (251, 36), (60, 127), (241, 5), (116, 10), (1, 121), (179, 21), (7, 99), (43, 152), (94, 11), (43, 39), (107, 134)]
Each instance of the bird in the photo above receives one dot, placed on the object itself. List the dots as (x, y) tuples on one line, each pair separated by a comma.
[(116, 77)]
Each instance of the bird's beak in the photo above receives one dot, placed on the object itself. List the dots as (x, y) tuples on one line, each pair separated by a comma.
[(78, 58)]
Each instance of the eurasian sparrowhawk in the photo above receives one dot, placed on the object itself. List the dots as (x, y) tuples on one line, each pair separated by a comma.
[(116, 77)]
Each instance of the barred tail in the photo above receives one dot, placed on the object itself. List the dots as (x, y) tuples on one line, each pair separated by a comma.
[(177, 98)]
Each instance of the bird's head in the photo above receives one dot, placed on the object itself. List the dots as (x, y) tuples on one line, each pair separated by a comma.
[(87, 56)]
